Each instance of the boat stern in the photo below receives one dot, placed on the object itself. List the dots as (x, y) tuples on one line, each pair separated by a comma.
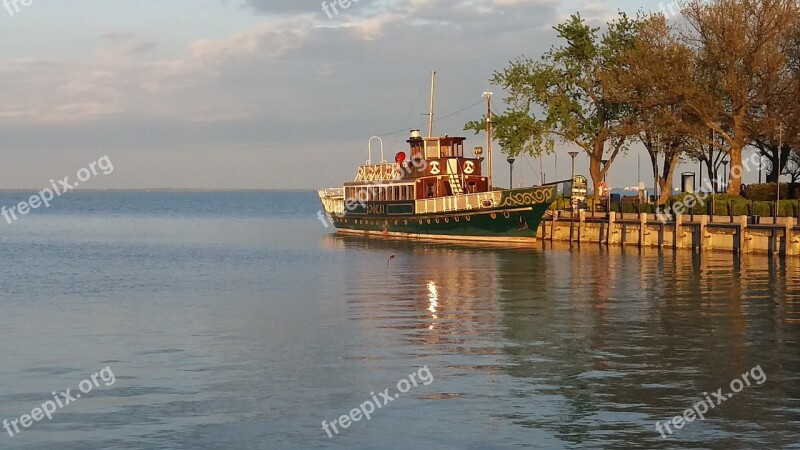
[(332, 200)]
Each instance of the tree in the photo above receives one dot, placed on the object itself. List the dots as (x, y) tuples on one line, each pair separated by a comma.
[(780, 123), (567, 86), (653, 78), (738, 60), (793, 166)]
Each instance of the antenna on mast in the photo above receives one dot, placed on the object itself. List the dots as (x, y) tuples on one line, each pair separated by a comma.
[(488, 96), (430, 114)]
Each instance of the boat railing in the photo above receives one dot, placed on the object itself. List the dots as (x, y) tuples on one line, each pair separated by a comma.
[(378, 172), (332, 193), (332, 200), (461, 202)]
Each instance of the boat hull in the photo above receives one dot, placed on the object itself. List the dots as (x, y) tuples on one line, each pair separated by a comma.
[(514, 219)]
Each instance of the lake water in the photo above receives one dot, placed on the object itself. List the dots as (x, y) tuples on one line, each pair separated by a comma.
[(236, 321)]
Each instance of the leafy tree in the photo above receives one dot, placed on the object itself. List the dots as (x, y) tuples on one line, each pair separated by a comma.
[(739, 60), (654, 78), (563, 97)]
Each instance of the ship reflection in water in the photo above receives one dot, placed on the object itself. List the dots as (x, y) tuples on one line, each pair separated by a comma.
[(560, 347)]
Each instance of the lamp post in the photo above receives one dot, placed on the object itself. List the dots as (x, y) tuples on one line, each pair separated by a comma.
[(608, 194), (725, 173), (778, 172), (573, 155), (510, 160)]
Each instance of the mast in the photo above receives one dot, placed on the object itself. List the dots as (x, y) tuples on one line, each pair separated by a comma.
[(430, 114), (488, 96)]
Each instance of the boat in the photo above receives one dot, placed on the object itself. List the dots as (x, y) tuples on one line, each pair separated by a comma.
[(435, 192)]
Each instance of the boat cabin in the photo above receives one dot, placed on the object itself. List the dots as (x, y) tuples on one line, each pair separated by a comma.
[(435, 167)]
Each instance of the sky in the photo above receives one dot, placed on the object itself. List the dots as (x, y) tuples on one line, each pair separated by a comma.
[(259, 94)]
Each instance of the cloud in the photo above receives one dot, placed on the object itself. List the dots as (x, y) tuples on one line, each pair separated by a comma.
[(281, 7), (266, 40)]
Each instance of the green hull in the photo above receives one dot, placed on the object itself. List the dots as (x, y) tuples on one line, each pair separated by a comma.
[(515, 218)]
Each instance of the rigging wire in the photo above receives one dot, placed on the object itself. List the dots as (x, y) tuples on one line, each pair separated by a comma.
[(404, 130)]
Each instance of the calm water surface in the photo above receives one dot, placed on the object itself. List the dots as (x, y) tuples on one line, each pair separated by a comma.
[(236, 321)]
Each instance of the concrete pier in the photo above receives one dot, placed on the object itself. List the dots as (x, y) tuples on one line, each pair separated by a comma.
[(699, 233)]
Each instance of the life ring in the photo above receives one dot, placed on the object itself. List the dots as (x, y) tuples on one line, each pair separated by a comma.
[(437, 220), (506, 215), (457, 219), (494, 216), (446, 220), (469, 218), (469, 167)]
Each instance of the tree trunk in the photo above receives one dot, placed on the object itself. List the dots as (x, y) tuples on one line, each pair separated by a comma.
[(665, 181), (771, 153), (735, 177), (596, 171)]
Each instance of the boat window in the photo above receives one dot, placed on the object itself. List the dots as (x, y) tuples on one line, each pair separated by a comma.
[(432, 149), (445, 150), (430, 190), (472, 188)]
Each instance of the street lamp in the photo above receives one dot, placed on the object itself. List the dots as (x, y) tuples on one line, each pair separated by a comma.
[(608, 194), (760, 166), (725, 173), (510, 160), (573, 155), (778, 172)]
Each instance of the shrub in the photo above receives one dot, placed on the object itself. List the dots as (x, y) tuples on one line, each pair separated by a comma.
[(766, 191)]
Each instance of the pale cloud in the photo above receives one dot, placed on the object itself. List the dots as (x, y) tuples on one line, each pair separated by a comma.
[(284, 76), (266, 40)]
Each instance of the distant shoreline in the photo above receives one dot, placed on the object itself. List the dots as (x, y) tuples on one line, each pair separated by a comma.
[(161, 190)]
